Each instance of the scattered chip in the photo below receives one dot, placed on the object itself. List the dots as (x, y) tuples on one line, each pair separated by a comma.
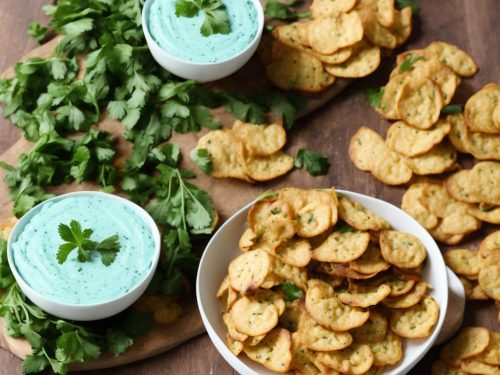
[(328, 8), (470, 342), (480, 107), (462, 261), (364, 61), (260, 140), (458, 60)]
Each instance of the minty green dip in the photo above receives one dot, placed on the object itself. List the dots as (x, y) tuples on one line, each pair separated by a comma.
[(181, 36), (73, 282)]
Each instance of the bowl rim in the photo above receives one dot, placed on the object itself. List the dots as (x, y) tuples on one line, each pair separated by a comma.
[(228, 356), (19, 227), (149, 38)]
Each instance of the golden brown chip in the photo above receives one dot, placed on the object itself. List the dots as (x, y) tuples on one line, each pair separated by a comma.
[(342, 270), (417, 321), (485, 180), (316, 337), (462, 261), (412, 204), (235, 346), (385, 12), (328, 8), (370, 262), (265, 168), (247, 240), (300, 358), (338, 57), (473, 366), (374, 329), (403, 250), (271, 298), (253, 340), (364, 61), (388, 103), (356, 359), (369, 297), (470, 342), (330, 312), (260, 140), (409, 141), (458, 60), (315, 210), (231, 329), (227, 152), (274, 231), (297, 70), (388, 351), (472, 290), (271, 281), (342, 247), (274, 351), (249, 270), (489, 244), (374, 31), (409, 299), (223, 288), (359, 217), (265, 209), (296, 275), (438, 160), (369, 152), (491, 355), (489, 279), (441, 236), (293, 35), (343, 30), (292, 314), (489, 215), (458, 186), (295, 252), (401, 28), (419, 103), (252, 317), (480, 107)]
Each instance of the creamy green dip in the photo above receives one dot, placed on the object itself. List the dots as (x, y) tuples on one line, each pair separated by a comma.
[(73, 282), (181, 36)]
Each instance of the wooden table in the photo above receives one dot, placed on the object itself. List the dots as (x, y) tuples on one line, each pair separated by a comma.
[(471, 24)]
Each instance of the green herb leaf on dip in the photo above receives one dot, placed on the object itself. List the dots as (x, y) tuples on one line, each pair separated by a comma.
[(216, 18), (76, 238)]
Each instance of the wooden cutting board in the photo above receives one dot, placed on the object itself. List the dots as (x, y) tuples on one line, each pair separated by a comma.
[(227, 195)]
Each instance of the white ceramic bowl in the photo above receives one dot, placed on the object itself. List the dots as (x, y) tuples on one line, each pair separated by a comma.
[(85, 312), (223, 247), (202, 72)]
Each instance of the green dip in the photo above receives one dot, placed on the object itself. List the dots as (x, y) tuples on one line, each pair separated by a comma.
[(181, 36), (80, 283)]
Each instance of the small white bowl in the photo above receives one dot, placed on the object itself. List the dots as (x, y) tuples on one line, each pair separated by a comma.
[(202, 72), (223, 247), (85, 312)]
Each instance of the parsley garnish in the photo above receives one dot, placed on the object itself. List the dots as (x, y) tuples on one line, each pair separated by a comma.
[(76, 238), (202, 159), (281, 10), (292, 292), (408, 3), (452, 109), (345, 229), (314, 162), (268, 194), (374, 96), (216, 18), (408, 63)]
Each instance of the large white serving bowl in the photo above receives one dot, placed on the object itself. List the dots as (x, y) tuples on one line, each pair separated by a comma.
[(95, 311), (223, 247), (202, 72)]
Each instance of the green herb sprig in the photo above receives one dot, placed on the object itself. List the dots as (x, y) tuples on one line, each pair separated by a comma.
[(315, 162), (216, 18), (77, 238)]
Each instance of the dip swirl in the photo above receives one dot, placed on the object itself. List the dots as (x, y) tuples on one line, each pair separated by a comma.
[(81, 283), (181, 36)]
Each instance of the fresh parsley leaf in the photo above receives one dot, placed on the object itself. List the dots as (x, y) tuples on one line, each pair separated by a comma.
[(408, 3), (118, 341), (374, 96), (216, 18), (345, 229), (280, 10), (315, 163), (37, 31), (408, 63), (77, 238), (452, 109), (202, 158), (292, 292)]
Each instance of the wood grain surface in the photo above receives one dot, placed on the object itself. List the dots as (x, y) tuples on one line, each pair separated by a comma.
[(471, 24)]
